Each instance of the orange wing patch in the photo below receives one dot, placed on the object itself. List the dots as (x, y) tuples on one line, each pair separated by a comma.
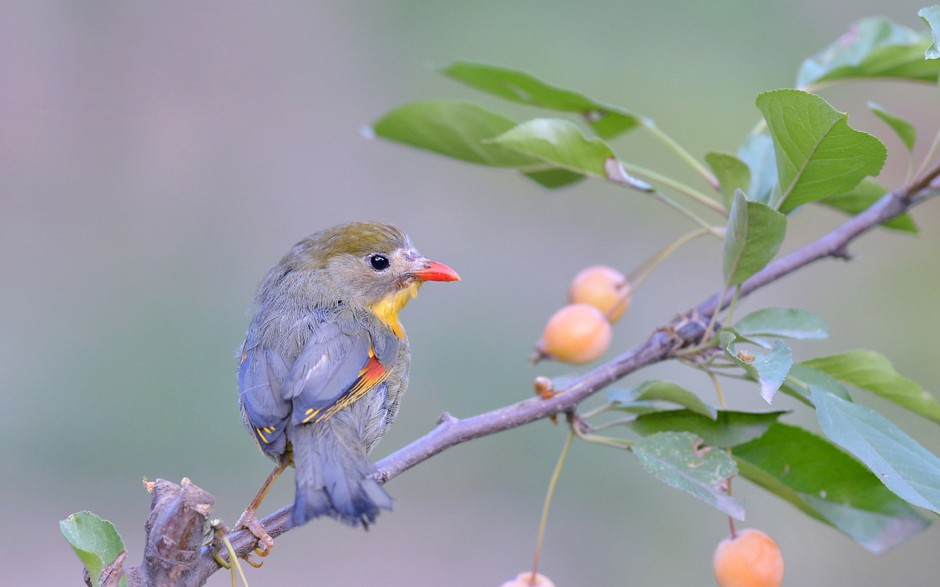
[(372, 374)]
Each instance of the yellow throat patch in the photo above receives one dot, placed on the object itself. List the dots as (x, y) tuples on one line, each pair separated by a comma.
[(387, 310)]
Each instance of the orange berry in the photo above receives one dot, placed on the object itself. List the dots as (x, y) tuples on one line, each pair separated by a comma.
[(525, 580), (603, 287), (750, 559), (577, 333)]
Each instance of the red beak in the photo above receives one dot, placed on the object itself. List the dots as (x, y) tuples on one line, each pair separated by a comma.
[(434, 271)]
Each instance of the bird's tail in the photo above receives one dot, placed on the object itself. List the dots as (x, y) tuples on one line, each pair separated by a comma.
[(334, 476)]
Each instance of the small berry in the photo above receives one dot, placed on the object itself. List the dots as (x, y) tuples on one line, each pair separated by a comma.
[(750, 559), (525, 580), (603, 287), (577, 333)]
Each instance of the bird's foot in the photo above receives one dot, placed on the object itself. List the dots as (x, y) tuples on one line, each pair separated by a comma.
[(249, 521)]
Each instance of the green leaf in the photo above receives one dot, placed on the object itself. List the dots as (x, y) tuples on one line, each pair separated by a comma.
[(802, 380), (768, 370), (757, 152), (95, 541), (728, 429), (560, 143), (752, 238), (871, 48), (680, 460), (904, 129), (874, 372), (861, 198), (782, 323), (454, 129), (464, 131), (818, 154), (732, 174), (665, 391), (554, 178), (931, 15), (518, 86), (905, 467), (829, 485)]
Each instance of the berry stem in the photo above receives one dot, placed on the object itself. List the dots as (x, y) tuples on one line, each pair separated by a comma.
[(723, 405), (548, 502), (639, 275), (718, 390)]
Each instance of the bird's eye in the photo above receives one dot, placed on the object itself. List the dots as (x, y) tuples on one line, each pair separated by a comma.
[(379, 262)]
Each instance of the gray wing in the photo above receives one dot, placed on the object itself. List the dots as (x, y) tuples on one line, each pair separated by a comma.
[(265, 410), (336, 368)]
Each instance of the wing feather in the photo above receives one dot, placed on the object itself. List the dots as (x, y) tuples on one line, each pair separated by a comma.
[(264, 409), (335, 369)]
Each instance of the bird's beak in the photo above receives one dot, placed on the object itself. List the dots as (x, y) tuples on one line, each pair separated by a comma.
[(434, 271)]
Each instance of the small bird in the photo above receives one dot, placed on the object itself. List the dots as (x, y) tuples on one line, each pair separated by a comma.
[(325, 363)]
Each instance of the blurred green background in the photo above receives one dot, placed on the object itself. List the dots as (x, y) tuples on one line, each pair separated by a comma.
[(156, 159)]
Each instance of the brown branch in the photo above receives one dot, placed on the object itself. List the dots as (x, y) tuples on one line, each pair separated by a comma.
[(687, 329), (175, 535)]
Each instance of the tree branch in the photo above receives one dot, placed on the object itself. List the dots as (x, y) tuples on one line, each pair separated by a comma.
[(683, 331)]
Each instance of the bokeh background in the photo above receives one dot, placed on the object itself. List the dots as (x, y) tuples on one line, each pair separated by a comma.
[(157, 158)]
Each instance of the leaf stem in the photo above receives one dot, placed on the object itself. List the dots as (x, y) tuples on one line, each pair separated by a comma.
[(620, 443), (598, 410), (931, 152), (656, 194), (734, 302), (679, 150), (612, 423), (552, 484), (678, 186)]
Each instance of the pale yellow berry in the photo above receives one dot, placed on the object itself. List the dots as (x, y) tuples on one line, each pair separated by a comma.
[(750, 559), (577, 333), (603, 287)]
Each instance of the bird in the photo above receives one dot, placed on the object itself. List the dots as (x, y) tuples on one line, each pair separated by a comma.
[(324, 366)]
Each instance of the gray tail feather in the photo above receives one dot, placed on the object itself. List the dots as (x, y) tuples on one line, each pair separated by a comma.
[(334, 477)]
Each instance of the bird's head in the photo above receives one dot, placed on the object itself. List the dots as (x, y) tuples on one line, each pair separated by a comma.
[(363, 265)]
